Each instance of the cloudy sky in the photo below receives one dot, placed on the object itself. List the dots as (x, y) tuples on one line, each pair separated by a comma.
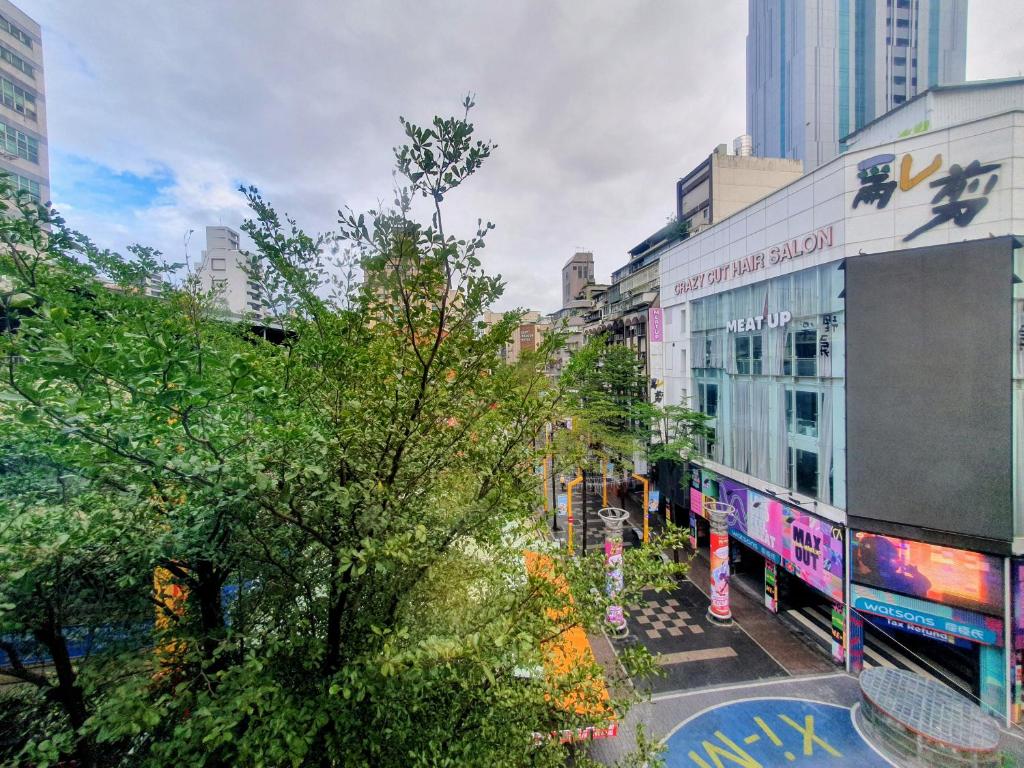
[(157, 111)]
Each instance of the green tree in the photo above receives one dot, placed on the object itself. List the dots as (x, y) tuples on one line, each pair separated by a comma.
[(344, 512)]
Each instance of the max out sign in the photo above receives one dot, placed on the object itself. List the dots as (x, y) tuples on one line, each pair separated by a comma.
[(928, 616), (755, 262), (767, 320)]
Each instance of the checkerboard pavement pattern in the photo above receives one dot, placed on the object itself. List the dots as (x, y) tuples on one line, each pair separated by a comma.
[(663, 619), (692, 650)]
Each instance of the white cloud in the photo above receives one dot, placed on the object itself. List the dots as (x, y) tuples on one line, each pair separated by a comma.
[(597, 107)]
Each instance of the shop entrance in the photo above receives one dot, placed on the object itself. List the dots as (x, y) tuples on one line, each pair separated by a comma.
[(952, 661)]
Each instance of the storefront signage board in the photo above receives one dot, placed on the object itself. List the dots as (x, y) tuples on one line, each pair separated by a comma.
[(952, 621)]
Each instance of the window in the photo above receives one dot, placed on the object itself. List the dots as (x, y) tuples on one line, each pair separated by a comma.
[(16, 61), (18, 99), (803, 472), (801, 354), (902, 22), (707, 353), (898, 99), (218, 265), (710, 442), (707, 399), (16, 33), (902, 42), (899, 80), (17, 143), (802, 412), (682, 361), (220, 285), (899, 61), (21, 184), (749, 355)]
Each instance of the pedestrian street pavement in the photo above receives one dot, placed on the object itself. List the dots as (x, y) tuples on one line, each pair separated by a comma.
[(805, 722), (692, 650)]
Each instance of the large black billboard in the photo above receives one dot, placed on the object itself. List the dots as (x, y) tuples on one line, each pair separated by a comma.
[(928, 391)]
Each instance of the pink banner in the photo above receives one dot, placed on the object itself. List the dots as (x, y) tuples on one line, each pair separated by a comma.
[(655, 329)]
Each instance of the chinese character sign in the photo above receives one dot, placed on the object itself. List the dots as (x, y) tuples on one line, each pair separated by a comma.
[(961, 195), (957, 192), (876, 187)]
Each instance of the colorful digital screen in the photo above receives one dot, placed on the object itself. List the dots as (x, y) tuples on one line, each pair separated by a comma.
[(944, 575)]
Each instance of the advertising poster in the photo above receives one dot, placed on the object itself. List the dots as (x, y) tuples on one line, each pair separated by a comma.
[(720, 574), (613, 580), (944, 575), (810, 548), (813, 549), (944, 618), (563, 504), (693, 531), (838, 633), (763, 520), (771, 587), (654, 498), (709, 485), (696, 502)]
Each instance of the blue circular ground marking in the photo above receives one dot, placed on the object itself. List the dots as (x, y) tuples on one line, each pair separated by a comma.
[(765, 733)]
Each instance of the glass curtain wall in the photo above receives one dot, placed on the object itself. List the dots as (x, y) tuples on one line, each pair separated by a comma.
[(768, 365)]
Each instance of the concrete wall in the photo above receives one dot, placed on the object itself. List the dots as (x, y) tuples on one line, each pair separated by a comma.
[(739, 181)]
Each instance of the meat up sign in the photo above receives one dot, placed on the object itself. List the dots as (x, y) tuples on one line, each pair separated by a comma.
[(754, 262)]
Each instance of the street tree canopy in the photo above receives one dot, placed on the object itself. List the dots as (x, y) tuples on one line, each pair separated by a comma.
[(220, 551)]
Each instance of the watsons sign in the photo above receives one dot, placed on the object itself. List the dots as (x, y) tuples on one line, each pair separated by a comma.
[(929, 616), (777, 254), (767, 320)]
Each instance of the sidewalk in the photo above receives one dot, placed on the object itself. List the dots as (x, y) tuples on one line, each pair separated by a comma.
[(791, 650)]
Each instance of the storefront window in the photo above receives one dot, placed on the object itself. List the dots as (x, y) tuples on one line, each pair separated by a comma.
[(802, 412), (801, 354), (749, 355)]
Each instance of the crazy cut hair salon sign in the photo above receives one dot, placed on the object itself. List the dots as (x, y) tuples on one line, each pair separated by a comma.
[(754, 262)]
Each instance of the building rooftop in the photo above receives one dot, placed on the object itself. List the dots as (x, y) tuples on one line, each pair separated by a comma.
[(968, 86)]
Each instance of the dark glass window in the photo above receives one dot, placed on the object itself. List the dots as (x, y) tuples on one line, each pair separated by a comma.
[(801, 354), (802, 412), (806, 468), (749, 355)]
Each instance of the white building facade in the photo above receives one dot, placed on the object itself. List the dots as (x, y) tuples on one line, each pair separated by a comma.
[(24, 153), (857, 342), (223, 269)]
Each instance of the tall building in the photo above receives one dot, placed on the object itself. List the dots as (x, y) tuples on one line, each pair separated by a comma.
[(23, 146), (223, 268), (819, 71), (577, 273)]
